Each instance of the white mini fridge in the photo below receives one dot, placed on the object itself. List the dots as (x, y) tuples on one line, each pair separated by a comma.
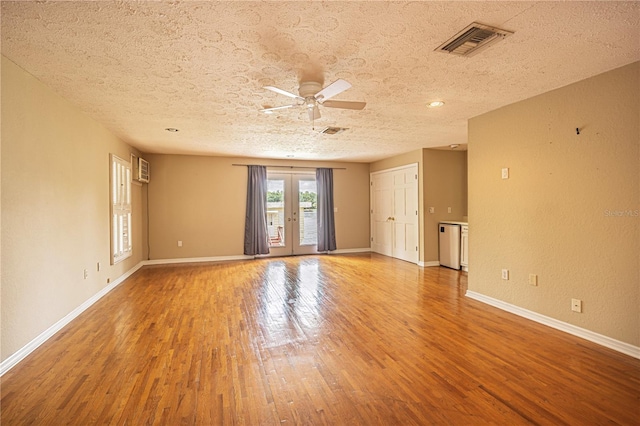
[(449, 237)]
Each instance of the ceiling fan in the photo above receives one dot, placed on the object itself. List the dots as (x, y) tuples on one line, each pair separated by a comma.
[(312, 94)]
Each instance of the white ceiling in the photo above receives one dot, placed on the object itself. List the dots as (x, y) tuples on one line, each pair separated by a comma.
[(140, 67)]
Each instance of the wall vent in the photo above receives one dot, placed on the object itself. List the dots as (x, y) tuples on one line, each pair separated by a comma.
[(143, 170), (333, 130), (473, 39)]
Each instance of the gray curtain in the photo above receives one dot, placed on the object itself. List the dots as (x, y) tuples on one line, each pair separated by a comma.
[(256, 234), (326, 221)]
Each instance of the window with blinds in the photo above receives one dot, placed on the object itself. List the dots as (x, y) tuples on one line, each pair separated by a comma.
[(120, 209)]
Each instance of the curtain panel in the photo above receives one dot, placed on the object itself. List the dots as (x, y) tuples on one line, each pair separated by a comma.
[(326, 219), (256, 234)]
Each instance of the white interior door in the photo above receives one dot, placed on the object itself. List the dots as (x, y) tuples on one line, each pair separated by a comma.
[(405, 214), (394, 213), (381, 213), (292, 213)]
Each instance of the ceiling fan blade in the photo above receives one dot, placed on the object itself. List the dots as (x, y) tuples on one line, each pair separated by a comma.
[(270, 110), (314, 113), (282, 92), (345, 104), (331, 90)]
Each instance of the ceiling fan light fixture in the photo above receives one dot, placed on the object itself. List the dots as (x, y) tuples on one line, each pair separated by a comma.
[(435, 104), (312, 96), (172, 129)]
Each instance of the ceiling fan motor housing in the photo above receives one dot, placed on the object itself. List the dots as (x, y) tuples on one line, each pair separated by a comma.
[(308, 89)]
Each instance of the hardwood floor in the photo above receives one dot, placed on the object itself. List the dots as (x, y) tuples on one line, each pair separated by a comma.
[(344, 339)]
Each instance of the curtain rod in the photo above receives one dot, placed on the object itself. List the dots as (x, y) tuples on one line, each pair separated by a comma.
[(293, 167)]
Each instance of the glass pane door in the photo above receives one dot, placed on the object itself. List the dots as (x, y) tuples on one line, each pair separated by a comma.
[(279, 214), (275, 211), (307, 211), (291, 213)]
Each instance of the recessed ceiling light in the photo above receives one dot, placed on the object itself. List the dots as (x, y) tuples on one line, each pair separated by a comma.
[(171, 129), (435, 104)]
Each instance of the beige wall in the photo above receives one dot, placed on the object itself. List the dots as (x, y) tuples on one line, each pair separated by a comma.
[(397, 161), (55, 208), (445, 185), (201, 202), (442, 183), (569, 211)]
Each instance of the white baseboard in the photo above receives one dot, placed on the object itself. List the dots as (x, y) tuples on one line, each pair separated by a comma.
[(353, 250), (195, 260), (591, 336), (237, 257), (22, 353)]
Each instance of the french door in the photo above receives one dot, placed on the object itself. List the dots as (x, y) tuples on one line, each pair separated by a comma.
[(292, 201)]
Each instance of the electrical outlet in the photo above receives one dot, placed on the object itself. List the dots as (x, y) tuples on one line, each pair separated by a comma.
[(432, 210), (505, 173), (448, 209), (576, 305), (98, 267), (86, 274), (533, 279), (505, 274), (179, 243)]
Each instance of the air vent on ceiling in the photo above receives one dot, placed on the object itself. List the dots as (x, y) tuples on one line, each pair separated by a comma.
[(472, 39), (333, 130)]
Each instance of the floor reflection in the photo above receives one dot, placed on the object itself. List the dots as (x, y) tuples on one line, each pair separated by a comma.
[(291, 301)]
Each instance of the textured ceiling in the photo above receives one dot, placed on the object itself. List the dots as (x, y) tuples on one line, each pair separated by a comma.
[(140, 67)]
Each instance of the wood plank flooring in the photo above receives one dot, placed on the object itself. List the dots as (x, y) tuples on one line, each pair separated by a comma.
[(338, 340)]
